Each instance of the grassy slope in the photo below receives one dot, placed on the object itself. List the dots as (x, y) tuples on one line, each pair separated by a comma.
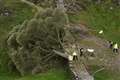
[(20, 12), (51, 75), (100, 17)]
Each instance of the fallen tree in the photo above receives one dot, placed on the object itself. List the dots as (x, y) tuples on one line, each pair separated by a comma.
[(31, 44)]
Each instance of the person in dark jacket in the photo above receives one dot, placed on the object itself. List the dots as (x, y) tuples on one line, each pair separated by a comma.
[(111, 43), (81, 51)]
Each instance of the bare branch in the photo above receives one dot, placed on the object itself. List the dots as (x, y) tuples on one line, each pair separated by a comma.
[(61, 54), (98, 71), (32, 4)]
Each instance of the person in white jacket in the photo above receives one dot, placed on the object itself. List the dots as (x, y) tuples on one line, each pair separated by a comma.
[(91, 51), (70, 58), (115, 48), (75, 56)]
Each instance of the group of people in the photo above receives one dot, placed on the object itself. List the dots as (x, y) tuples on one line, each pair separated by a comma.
[(90, 51), (112, 45), (75, 55)]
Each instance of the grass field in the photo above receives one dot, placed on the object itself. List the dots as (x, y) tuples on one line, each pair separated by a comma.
[(96, 17), (50, 75), (20, 12), (100, 17)]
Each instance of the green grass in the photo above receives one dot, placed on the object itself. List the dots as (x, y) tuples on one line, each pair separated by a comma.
[(105, 74), (20, 12), (100, 17), (50, 75)]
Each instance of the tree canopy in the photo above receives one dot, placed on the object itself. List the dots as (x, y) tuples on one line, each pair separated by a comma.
[(31, 44)]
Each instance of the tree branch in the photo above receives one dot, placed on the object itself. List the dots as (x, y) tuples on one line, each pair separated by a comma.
[(32, 4)]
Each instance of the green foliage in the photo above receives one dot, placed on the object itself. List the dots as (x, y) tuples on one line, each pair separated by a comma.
[(20, 12), (30, 42)]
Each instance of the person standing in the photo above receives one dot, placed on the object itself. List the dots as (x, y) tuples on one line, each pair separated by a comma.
[(111, 44), (70, 58), (81, 51), (115, 48), (77, 78), (75, 57)]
